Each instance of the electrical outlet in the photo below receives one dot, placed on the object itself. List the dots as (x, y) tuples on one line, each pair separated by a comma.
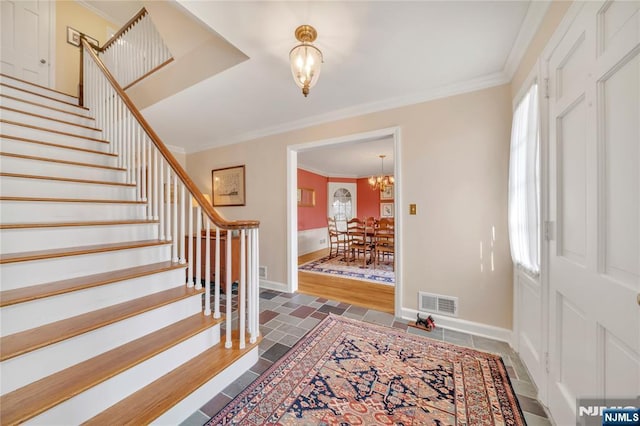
[(323, 241)]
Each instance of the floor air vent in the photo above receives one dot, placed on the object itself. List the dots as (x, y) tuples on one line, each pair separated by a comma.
[(437, 303)]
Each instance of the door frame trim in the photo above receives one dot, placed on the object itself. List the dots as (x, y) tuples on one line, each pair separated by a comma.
[(292, 205)]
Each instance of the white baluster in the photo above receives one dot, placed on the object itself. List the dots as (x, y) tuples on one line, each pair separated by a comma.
[(207, 272), (183, 211), (216, 302), (174, 194), (190, 245), (161, 197), (256, 299), (198, 255), (167, 205), (242, 290), (228, 292)]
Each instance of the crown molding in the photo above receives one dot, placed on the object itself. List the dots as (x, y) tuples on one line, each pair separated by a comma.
[(327, 174), (530, 25), (472, 85), (100, 13)]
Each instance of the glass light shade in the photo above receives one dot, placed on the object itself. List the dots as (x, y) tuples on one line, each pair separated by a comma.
[(306, 61)]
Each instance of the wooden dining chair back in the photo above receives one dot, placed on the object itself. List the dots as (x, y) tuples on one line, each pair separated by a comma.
[(337, 239), (385, 241), (358, 241)]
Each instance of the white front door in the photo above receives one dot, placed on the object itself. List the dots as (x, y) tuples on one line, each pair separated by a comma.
[(594, 205), (24, 44)]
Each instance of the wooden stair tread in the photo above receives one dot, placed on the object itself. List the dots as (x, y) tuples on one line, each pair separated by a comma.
[(41, 95), (66, 179), (44, 117), (56, 145), (45, 129), (71, 200), (53, 160), (29, 340), (13, 98), (76, 251), (150, 402), (37, 397), (38, 85), (68, 224), (34, 292)]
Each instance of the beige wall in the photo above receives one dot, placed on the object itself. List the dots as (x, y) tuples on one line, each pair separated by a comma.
[(554, 15), (72, 14), (454, 159)]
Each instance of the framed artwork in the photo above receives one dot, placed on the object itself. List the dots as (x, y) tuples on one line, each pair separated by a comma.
[(387, 194), (73, 37), (306, 197), (228, 186), (386, 209)]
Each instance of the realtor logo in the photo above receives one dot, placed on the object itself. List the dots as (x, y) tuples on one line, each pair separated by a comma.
[(608, 411)]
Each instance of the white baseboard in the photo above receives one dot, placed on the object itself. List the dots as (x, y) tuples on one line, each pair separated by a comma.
[(273, 285), (457, 324)]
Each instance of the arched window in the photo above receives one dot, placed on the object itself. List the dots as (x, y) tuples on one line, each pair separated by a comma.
[(342, 204)]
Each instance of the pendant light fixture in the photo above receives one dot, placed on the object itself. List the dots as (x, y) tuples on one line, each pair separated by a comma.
[(306, 59), (382, 181)]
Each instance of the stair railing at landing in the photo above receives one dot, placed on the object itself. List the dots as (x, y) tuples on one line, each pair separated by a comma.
[(170, 196), (133, 53)]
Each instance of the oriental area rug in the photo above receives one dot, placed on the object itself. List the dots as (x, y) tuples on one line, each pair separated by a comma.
[(337, 265), (348, 372)]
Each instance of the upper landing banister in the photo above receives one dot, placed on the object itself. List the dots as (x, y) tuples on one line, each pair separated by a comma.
[(215, 217), (124, 29)]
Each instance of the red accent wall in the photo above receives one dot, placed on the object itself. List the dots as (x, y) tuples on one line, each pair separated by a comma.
[(368, 199), (313, 217)]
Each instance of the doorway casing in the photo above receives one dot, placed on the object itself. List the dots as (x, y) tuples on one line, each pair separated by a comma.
[(292, 204)]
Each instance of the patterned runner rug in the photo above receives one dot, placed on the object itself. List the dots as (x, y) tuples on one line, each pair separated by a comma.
[(347, 372), (337, 265)]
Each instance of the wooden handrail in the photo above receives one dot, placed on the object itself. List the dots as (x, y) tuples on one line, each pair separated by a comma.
[(124, 29), (215, 217)]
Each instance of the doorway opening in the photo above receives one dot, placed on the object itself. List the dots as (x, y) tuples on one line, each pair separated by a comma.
[(343, 163)]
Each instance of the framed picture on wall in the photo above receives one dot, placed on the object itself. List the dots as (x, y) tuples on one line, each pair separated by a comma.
[(73, 37), (387, 193), (386, 209), (228, 186)]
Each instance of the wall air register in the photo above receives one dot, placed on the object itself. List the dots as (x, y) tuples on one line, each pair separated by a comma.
[(437, 304)]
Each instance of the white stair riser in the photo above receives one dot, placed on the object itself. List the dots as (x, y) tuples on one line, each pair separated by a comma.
[(22, 274), (64, 354), (97, 399), (30, 87), (10, 91), (51, 168), (31, 120), (17, 186), (185, 408), (45, 136), (33, 239), (26, 148), (23, 316), (48, 112), (37, 212)]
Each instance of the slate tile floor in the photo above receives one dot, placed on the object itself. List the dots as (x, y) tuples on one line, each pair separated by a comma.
[(285, 318)]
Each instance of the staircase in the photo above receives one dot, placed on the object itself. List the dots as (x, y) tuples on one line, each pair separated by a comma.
[(98, 323)]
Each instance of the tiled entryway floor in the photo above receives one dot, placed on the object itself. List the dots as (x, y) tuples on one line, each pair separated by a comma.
[(285, 318)]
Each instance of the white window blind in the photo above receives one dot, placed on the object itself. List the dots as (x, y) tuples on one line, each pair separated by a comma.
[(524, 183)]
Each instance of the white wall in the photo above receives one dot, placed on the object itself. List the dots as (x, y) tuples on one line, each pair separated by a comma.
[(454, 154)]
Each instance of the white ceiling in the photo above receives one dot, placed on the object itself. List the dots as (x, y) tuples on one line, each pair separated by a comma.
[(377, 55)]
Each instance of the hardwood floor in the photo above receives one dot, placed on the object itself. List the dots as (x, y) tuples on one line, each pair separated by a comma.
[(355, 292)]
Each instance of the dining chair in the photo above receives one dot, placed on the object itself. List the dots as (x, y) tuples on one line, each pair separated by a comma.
[(337, 238), (359, 240), (385, 241)]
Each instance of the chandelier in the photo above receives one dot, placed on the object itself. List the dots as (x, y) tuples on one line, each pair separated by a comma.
[(382, 181), (305, 59)]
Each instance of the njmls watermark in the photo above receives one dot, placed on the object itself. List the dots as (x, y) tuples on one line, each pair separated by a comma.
[(608, 411)]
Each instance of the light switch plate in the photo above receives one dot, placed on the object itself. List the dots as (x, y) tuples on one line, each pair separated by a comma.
[(412, 209)]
